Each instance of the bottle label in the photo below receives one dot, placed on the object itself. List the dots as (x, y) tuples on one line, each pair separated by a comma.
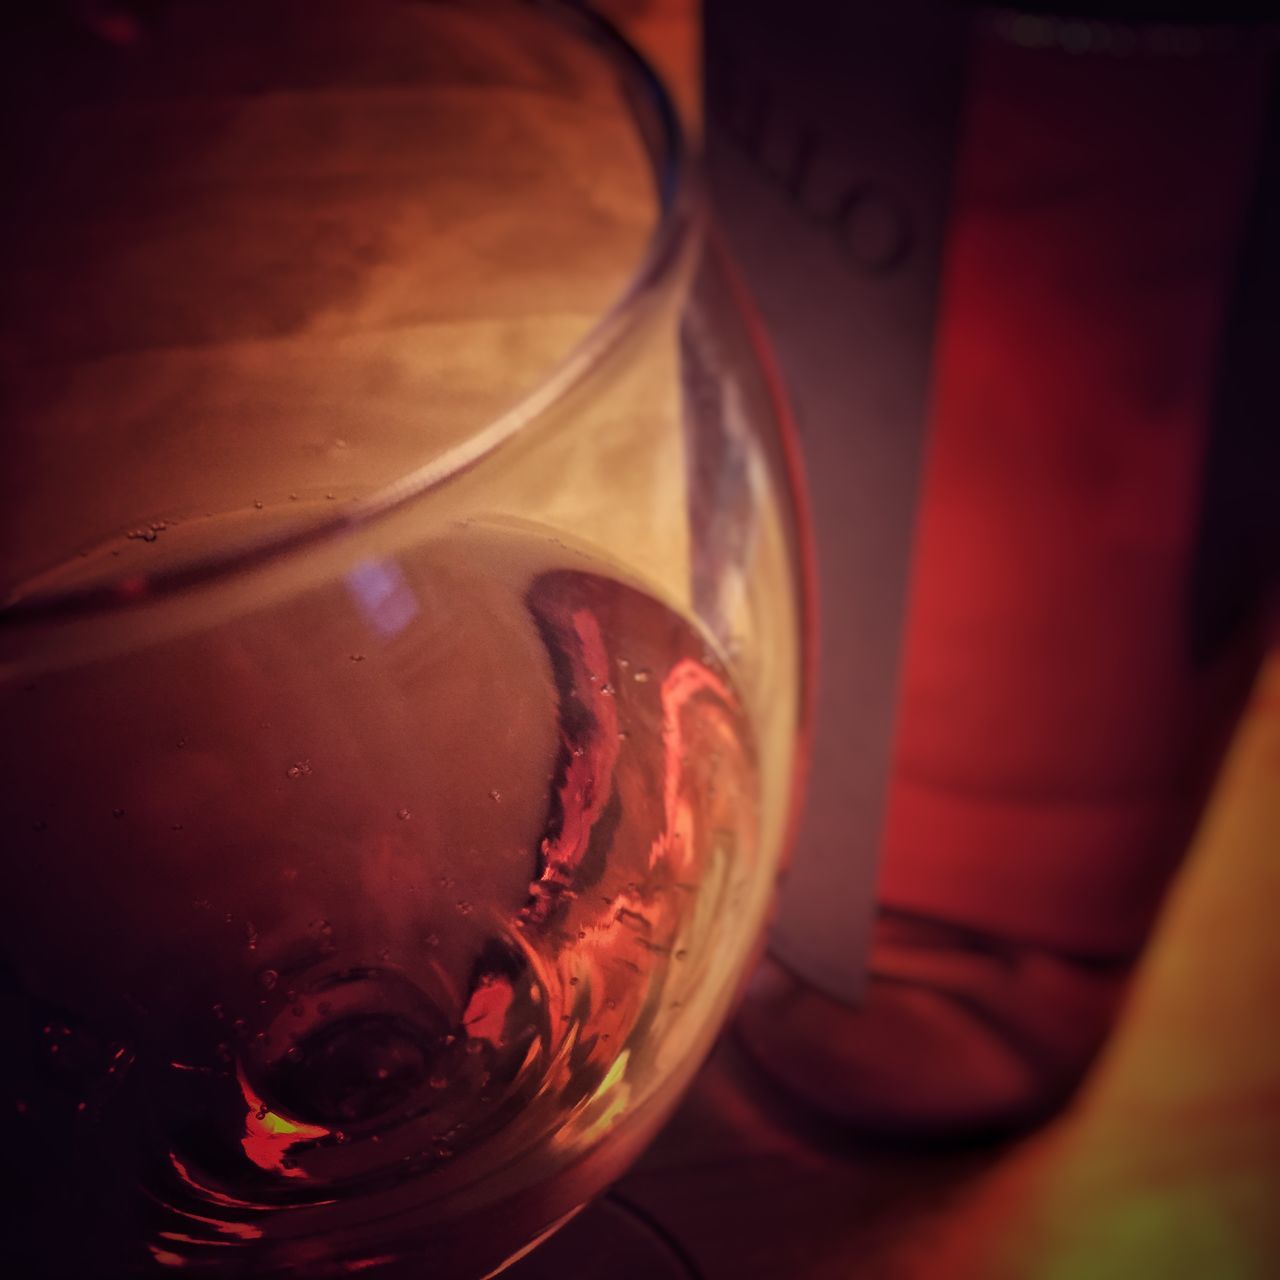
[(998, 256)]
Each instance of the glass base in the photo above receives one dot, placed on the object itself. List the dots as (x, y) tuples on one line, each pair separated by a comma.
[(959, 1036), (609, 1238)]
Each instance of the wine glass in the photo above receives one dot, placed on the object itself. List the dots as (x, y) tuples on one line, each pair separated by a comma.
[(401, 650)]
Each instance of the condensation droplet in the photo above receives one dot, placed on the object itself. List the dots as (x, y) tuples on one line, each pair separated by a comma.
[(431, 940), (300, 770), (495, 795), (464, 907), (267, 979), (404, 814)]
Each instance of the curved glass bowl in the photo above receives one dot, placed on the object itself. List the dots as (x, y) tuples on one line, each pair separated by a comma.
[(401, 658)]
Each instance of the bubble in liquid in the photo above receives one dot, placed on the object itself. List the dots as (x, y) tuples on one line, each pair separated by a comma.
[(495, 795), (404, 815), (257, 504), (438, 1082), (117, 813), (642, 675), (300, 770), (356, 657), (267, 979)]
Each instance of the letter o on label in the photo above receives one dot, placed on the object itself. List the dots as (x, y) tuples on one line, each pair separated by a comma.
[(875, 227)]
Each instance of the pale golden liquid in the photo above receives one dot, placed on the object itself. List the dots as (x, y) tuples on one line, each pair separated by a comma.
[(368, 908)]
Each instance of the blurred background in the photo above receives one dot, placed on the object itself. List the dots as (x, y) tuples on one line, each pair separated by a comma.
[(1018, 267)]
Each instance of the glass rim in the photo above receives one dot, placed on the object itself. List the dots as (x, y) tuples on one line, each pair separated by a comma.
[(667, 146)]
